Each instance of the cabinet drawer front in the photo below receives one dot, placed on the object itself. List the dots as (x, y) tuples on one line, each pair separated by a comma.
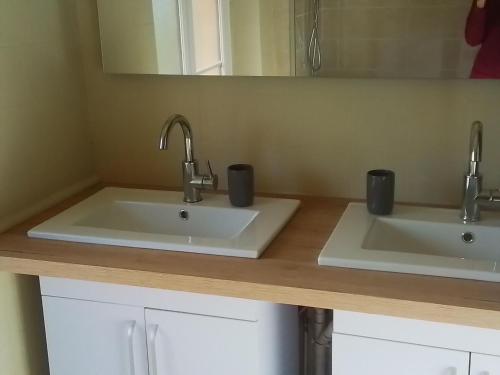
[(189, 344), (235, 308), (481, 364), (451, 336), (86, 337), (354, 355)]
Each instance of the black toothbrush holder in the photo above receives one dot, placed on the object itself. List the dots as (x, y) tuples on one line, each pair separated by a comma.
[(380, 191), (240, 182)]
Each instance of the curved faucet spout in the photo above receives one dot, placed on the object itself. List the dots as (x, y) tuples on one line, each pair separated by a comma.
[(192, 181), (186, 130), (476, 147)]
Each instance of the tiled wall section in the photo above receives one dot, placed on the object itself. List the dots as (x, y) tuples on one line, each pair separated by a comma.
[(390, 38)]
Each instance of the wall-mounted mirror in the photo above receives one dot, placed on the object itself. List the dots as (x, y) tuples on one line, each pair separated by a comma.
[(325, 38)]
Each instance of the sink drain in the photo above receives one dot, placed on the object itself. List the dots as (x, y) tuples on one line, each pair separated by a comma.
[(184, 215), (468, 237)]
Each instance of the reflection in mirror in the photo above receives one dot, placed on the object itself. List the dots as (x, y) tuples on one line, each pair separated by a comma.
[(400, 38), (196, 37), (324, 38)]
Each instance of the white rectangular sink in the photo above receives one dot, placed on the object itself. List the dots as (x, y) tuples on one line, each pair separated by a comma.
[(420, 240), (161, 220)]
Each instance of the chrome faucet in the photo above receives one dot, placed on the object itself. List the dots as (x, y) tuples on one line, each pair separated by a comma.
[(193, 182), (474, 197)]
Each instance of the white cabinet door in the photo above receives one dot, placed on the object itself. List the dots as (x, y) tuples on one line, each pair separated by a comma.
[(190, 344), (484, 364), (353, 355), (92, 338)]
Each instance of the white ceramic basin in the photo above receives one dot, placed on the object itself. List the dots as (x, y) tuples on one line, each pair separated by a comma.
[(417, 240), (152, 219)]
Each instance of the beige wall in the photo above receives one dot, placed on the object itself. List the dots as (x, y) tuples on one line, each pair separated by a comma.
[(44, 150), (44, 145), (128, 36), (246, 49), (260, 37), (308, 136)]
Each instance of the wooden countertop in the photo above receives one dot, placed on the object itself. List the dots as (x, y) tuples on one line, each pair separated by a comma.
[(286, 273)]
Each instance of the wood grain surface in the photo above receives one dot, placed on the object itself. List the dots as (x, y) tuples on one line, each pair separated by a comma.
[(286, 273)]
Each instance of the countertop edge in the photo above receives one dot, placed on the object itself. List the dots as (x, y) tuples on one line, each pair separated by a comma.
[(289, 262), (474, 317)]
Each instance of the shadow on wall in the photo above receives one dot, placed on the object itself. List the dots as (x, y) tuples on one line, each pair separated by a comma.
[(22, 338), (30, 302)]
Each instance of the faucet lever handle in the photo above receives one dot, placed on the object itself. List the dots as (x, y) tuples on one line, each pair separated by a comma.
[(212, 180), (210, 168)]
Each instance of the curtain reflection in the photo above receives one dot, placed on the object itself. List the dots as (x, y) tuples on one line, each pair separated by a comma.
[(483, 29)]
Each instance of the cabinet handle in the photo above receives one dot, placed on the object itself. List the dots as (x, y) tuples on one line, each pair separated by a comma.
[(152, 334), (130, 338)]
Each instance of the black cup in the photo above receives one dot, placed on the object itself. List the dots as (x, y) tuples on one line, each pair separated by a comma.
[(240, 184), (380, 191)]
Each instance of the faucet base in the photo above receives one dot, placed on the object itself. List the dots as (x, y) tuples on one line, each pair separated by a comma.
[(191, 189), (470, 208)]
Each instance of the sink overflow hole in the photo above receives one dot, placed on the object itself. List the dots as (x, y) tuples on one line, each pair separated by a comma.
[(184, 215), (468, 237)]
